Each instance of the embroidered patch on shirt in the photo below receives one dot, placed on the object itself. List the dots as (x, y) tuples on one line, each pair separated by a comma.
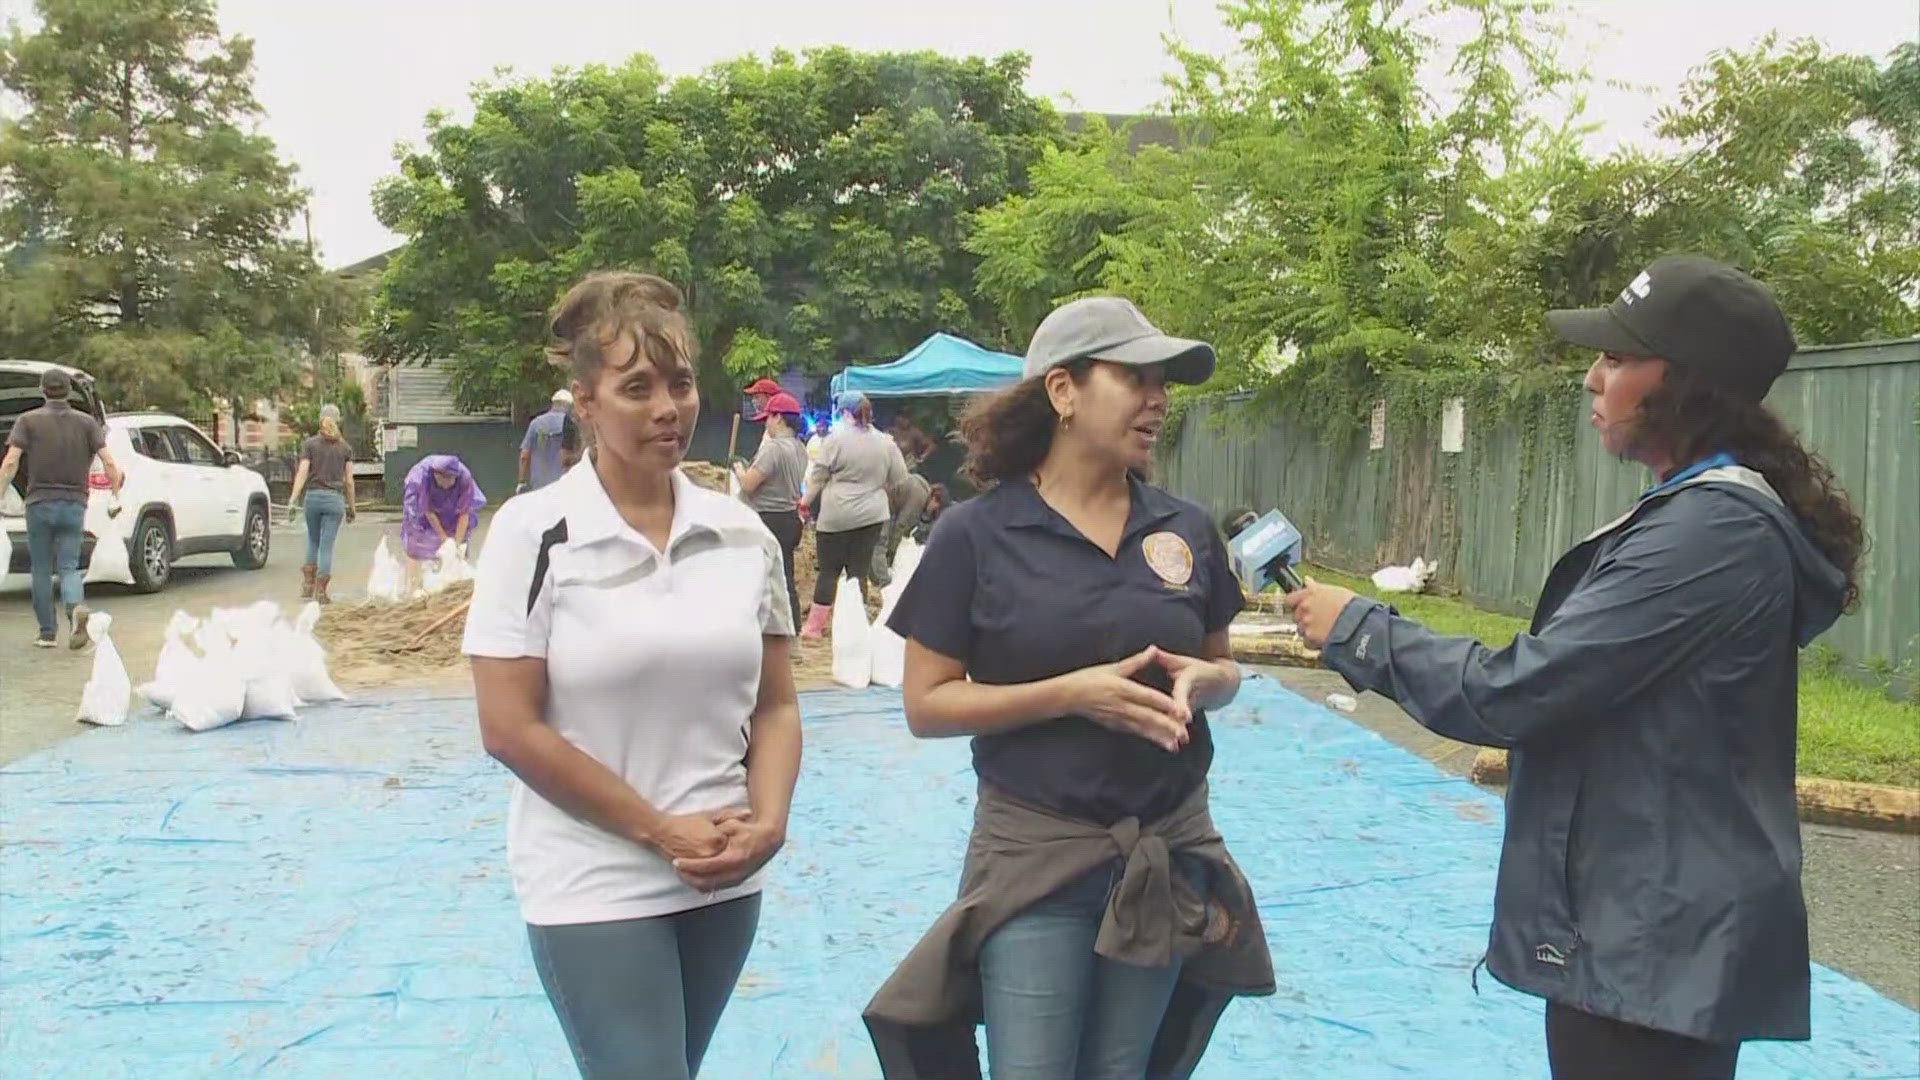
[(1169, 556)]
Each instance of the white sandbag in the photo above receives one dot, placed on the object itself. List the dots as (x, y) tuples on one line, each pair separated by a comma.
[(269, 697), (176, 663), (214, 694), (890, 649), (1412, 578), (454, 565), (449, 565), (111, 561), (260, 661), (852, 637), (384, 581), (6, 552), (906, 559), (307, 661), (104, 700)]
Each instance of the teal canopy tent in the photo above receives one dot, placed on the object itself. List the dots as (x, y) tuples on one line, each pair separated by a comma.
[(942, 364)]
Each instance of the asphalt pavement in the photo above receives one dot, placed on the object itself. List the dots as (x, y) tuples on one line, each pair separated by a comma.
[(40, 688)]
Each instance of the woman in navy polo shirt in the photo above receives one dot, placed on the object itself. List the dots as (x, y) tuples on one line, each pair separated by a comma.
[(1073, 621)]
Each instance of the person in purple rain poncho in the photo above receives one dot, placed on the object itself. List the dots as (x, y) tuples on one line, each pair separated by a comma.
[(442, 502)]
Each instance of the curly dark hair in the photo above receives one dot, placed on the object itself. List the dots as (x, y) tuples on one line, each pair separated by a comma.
[(1692, 417), (1008, 433)]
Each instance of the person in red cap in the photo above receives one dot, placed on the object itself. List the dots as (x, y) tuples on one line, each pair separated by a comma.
[(761, 392), (771, 485)]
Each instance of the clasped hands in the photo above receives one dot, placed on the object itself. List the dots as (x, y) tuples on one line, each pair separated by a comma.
[(716, 850), (1108, 695)]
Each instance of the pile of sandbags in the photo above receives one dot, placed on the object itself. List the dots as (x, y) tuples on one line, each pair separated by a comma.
[(240, 664), (869, 653)]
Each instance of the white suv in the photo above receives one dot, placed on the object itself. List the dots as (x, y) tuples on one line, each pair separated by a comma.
[(182, 498)]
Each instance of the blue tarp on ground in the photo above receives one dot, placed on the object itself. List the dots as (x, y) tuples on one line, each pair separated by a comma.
[(942, 364), (329, 898)]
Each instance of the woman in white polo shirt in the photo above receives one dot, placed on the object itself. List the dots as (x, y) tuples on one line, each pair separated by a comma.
[(630, 635)]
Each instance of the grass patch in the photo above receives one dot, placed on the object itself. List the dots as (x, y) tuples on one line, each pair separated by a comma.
[(1848, 731)]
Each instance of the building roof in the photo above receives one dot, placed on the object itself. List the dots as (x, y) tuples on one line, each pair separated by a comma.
[(1142, 129), (372, 264)]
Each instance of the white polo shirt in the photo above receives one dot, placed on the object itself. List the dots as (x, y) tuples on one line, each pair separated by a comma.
[(653, 669)]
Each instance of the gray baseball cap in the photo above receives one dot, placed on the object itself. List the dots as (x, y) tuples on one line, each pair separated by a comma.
[(1112, 329)]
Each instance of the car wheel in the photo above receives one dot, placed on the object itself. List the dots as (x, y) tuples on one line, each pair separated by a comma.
[(152, 561), (254, 541)]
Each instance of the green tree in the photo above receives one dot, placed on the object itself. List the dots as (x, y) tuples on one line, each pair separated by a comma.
[(144, 222), (1328, 221), (814, 209), (1800, 165)]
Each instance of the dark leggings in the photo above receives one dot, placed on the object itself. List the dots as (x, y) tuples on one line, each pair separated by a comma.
[(641, 997), (844, 553), (1582, 1046), (785, 527)]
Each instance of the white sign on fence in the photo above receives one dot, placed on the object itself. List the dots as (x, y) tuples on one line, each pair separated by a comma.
[(1453, 426), (1377, 436)]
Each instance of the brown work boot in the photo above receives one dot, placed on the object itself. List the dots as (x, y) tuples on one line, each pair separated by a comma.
[(306, 581), (320, 588), (77, 619)]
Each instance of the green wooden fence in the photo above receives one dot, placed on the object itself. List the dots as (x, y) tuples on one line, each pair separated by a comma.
[(1495, 516)]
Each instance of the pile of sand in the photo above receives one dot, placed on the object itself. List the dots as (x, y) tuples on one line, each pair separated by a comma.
[(375, 642)]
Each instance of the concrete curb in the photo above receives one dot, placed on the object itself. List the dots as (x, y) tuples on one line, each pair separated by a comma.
[(1280, 650), (1822, 802)]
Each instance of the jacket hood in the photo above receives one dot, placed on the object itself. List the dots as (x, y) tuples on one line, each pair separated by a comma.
[(1819, 586)]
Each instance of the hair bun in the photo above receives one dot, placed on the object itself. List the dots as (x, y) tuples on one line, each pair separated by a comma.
[(656, 290)]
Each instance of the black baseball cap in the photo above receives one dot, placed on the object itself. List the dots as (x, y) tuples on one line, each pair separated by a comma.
[(1694, 312), (55, 385)]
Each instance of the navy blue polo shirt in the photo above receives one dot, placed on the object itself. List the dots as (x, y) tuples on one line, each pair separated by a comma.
[(1011, 589)]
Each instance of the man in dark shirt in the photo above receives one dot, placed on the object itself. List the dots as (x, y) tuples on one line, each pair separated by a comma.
[(59, 443)]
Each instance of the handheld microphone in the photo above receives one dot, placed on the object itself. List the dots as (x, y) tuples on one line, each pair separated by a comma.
[(1264, 549)]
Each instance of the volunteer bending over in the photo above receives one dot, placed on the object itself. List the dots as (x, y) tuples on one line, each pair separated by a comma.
[(1073, 621), (1649, 884), (441, 501), (630, 635)]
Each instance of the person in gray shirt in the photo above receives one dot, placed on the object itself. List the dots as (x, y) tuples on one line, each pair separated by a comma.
[(857, 465), (59, 443), (771, 485)]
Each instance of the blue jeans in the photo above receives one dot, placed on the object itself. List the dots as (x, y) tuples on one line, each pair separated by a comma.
[(641, 997), (1056, 1011), (53, 543), (326, 509)]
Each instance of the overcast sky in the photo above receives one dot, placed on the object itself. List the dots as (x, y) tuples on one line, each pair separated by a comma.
[(343, 81)]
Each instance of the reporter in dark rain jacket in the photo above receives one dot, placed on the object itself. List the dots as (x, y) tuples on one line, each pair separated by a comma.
[(1649, 884)]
